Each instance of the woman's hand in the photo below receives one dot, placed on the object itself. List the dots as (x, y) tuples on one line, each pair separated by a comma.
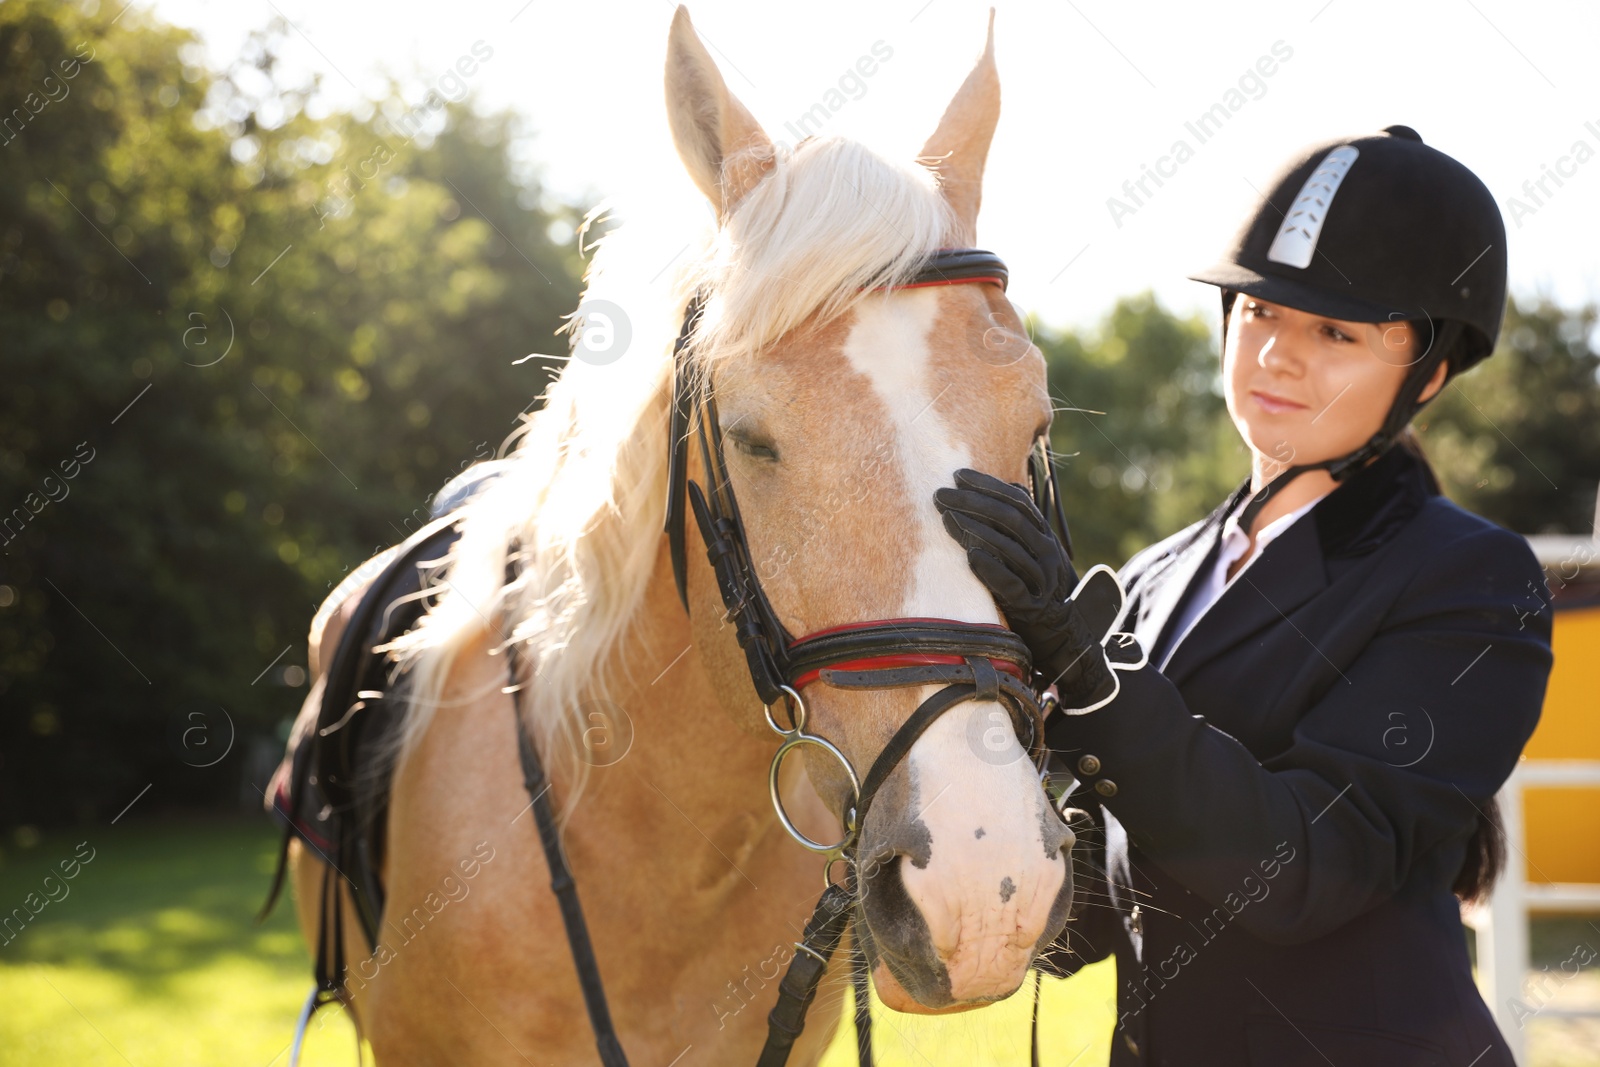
[(1012, 549)]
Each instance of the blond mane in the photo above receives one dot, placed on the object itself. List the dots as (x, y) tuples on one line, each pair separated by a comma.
[(584, 495)]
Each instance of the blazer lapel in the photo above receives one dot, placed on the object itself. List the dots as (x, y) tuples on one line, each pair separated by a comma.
[(1164, 588), (1365, 511), (1167, 592), (1288, 573)]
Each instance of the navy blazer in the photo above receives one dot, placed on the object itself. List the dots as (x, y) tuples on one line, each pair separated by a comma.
[(1282, 812)]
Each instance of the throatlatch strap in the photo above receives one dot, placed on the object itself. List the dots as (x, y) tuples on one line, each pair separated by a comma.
[(678, 450), (562, 883)]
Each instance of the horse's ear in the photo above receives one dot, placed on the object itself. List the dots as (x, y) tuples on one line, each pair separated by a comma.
[(725, 149), (958, 148)]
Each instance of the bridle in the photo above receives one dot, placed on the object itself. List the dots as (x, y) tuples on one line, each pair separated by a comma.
[(991, 662), (970, 661)]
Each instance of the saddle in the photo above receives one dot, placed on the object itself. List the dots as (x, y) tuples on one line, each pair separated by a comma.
[(331, 789)]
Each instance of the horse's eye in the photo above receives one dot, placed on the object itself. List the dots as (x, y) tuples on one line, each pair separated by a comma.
[(755, 448)]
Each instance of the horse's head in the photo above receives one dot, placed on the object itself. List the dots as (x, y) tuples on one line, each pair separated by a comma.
[(842, 411)]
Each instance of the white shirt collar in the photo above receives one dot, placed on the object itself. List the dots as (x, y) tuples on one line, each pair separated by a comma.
[(1235, 541)]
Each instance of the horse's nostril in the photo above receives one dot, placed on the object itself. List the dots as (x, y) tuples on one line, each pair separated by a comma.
[(880, 867), (899, 930), (887, 903)]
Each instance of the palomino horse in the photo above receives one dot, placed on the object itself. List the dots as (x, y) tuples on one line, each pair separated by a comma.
[(845, 401)]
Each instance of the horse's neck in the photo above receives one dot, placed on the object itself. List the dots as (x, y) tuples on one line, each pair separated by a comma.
[(684, 840), (688, 882), (693, 784)]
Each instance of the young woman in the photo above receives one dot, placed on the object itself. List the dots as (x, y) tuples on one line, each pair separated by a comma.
[(1297, 786)]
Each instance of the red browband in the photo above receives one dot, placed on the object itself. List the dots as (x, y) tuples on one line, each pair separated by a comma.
[(949, 281), (899, 659)]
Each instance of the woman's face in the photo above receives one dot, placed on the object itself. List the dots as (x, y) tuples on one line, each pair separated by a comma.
[(1303, 388)]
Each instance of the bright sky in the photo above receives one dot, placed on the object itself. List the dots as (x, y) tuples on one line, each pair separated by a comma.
[(1094, 90)]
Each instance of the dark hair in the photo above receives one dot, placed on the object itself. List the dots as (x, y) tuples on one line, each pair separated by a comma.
[(1486, 849), (1486, 856), (1408, 440)]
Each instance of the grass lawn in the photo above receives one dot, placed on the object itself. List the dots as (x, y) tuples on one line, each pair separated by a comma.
[(1075, 1019), (152, 959)]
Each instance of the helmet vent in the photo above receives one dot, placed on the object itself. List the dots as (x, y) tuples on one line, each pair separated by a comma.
[(1296, 242)]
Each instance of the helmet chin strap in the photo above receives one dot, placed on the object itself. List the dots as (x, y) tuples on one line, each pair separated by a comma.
[(1446, 335), (1340, 468)]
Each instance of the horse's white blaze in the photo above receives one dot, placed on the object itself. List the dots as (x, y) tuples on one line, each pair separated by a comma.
[(987, 890), (888, 344)]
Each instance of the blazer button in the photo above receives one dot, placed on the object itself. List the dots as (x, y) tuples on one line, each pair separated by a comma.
[(1106, 787), (1089, 765)]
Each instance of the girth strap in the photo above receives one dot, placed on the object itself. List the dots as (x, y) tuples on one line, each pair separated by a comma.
[(330, 963)]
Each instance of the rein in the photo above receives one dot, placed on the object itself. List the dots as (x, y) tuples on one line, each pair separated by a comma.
[(971, 661)]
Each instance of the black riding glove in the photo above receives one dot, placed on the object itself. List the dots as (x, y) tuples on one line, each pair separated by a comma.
[(1065, 622)]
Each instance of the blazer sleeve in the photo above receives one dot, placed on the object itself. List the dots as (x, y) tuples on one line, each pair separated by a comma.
[(1341, 825)]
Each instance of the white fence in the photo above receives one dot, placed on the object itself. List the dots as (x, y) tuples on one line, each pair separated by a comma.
[(1503, 926)]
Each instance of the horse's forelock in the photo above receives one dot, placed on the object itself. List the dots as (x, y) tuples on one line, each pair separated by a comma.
[(832, 221)]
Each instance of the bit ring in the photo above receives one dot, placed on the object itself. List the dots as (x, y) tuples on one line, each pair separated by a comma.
[(794, 740)]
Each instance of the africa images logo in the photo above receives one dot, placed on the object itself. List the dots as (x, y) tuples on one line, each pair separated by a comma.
[(1252, 85), (1536, 192)]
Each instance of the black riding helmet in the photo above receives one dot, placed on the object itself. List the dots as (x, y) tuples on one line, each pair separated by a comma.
[(1380, 228)]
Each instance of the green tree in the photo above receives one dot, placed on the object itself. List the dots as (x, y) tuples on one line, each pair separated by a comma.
[(1143, 438), (1517, 439), (257, 340)]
